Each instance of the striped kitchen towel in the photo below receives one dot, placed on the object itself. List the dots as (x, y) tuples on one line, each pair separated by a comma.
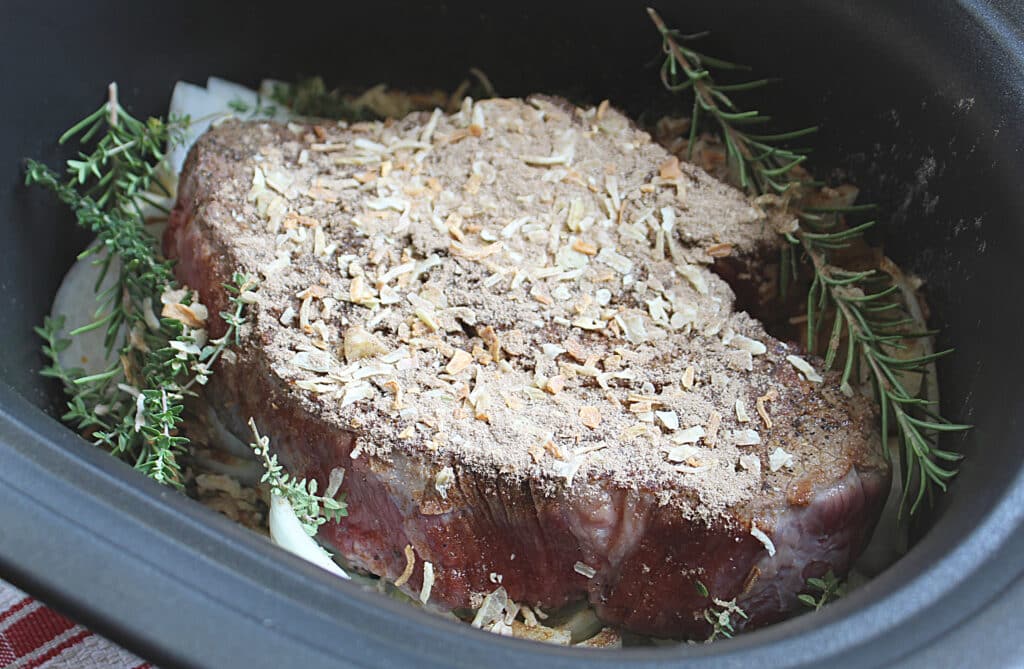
[(34, 636)]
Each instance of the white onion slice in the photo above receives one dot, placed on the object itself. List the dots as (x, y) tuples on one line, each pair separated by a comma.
[(286, 531), (76, 302), (246, 471), (202, 107), (206, 106), (228, 91), (582, 624), (224, 439)]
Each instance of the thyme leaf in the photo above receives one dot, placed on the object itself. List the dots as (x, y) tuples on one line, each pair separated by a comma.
[(828, 587), (312, 510), (134, 407), (723, 616)]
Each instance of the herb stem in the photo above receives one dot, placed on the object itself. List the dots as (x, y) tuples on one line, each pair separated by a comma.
[(867, 307), (112, 104)]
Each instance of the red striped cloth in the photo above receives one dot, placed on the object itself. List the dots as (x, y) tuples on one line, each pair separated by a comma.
[(34, 636)]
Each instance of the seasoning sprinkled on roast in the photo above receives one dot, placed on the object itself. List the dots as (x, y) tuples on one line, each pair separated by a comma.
[(502, 324)]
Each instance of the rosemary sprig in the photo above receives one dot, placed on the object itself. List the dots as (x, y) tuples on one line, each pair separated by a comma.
[(828, 587), (312, 510), (862, 304), (762, 163), (869, 332)]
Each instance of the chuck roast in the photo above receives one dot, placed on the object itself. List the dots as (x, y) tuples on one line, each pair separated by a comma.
[(501, 324)]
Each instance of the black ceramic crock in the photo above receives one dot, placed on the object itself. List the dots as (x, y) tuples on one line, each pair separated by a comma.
[(919, 104)]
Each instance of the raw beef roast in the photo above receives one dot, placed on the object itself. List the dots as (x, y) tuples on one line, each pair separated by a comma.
[(502, 326)]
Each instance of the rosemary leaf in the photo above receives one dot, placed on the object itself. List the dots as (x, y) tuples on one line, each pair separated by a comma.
[(863, 305)]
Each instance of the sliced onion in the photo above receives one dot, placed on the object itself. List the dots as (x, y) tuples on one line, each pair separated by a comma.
[(286, 531), (209, 105), (229, 91), (582, 624), (222, 438), (199, 105), (247, 471), (76, 302)]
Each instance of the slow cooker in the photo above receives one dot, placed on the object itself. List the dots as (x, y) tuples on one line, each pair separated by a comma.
[(919, 105)]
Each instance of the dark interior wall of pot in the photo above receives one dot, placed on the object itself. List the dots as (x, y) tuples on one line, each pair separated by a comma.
[(917, 106)]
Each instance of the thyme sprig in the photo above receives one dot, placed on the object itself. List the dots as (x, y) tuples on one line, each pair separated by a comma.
[(107, 187), (828, 587), (139, 422), (312, 510), (723, 616), (135, 406), (863, 306), (120, 169), (720, 614)]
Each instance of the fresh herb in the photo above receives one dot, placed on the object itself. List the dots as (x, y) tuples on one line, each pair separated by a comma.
[(721, 618), (762, 163), (720, 615), (262, 108), (138, 419), (875, 330), (868, 324), (120, 169), (134, 407), (312, 510), (311, 97), (828, 587)]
